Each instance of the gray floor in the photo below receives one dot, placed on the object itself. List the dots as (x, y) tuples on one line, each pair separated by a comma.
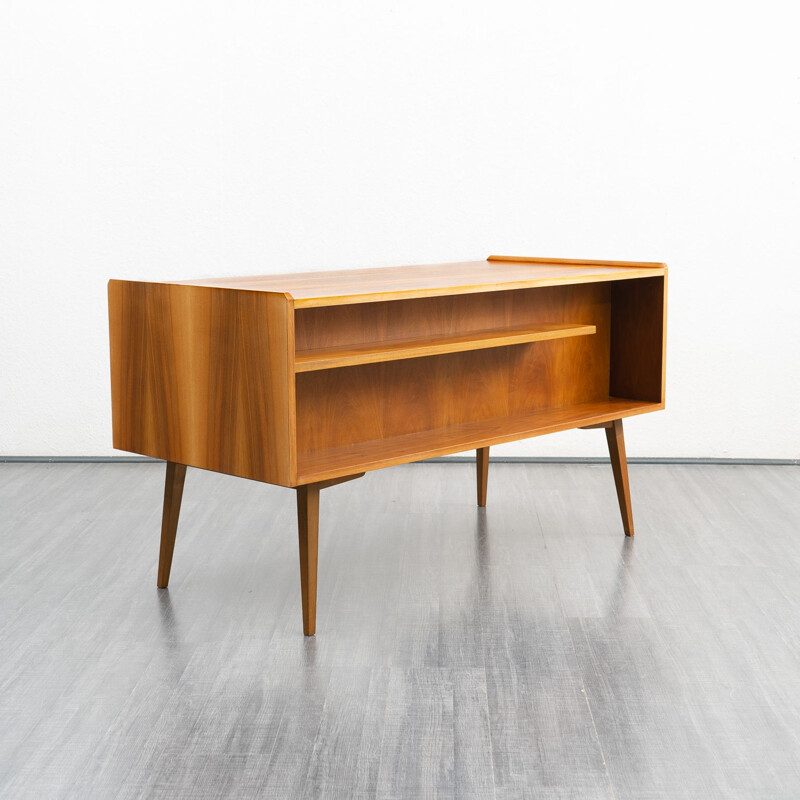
[(527, 650)]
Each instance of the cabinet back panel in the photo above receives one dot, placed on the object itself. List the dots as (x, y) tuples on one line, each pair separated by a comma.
[(319, 328)]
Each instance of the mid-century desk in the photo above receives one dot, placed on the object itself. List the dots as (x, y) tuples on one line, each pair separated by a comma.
[(310, 379)]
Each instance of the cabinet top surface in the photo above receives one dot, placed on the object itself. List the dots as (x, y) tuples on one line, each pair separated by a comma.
[(497, 273)]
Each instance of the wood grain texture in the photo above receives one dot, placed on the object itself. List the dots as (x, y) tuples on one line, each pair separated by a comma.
[(173, 492), (348, 355), (578, 261), (436, 318), (203, 377), (417, 754), (338, 287), (341, 407), (371, 455), (619, 466), (310, 380), (580, 664), (639, 338), (482, 463), (308, 536)]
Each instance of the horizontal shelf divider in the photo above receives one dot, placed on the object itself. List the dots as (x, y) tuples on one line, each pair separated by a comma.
[(350, 355), (362, 456)]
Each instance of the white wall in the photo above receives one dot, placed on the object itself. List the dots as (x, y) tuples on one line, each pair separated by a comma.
[(161, 140)]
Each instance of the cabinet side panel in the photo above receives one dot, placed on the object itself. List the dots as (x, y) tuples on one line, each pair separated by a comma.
[(202, 376), (638, 339)]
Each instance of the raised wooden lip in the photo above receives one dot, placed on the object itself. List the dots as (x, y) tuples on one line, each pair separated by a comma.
[(367, 456), (417, 347), (578, 262)]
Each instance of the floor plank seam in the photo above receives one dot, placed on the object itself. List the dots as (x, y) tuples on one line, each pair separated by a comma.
[(584, 688)]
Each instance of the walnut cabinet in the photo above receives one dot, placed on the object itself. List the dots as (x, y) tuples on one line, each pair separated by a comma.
[(306, 380)]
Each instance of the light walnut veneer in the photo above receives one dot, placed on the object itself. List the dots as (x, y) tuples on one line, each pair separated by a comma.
[(308, 379)]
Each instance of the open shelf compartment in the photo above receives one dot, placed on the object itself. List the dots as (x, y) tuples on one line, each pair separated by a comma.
[(417, 347), (443, 375), (403, 449)]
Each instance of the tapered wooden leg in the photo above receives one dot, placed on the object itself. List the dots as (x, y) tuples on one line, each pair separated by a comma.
[(619, 464), (308, 536), (173, 493), (482, 457), (308, 530)]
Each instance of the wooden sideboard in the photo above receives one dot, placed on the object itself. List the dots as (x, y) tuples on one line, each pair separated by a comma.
[(307, 380)]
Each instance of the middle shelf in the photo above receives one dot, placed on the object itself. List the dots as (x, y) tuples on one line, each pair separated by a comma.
[(418, 346)]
